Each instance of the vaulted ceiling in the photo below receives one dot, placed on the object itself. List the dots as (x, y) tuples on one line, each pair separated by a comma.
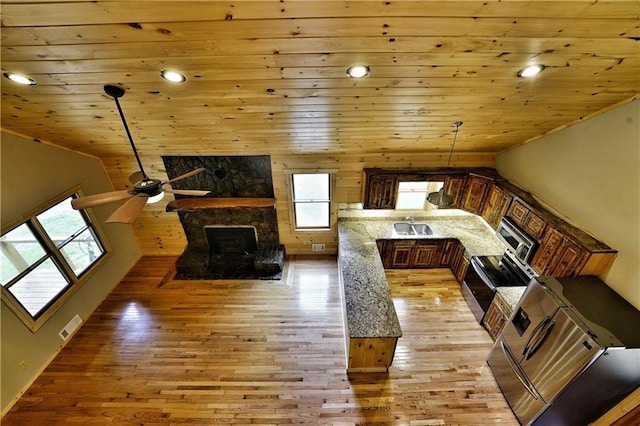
[(269, 76)]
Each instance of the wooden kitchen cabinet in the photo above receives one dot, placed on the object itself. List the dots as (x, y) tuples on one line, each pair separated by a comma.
[(460, 263), (496, 205), (407, 254), (475, 191), (528, 219), (559, 255), (380, 191), (454, 186), (449, 251), (496, 316)]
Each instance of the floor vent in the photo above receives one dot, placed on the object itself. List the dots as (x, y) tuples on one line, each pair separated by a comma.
[(70, 327)]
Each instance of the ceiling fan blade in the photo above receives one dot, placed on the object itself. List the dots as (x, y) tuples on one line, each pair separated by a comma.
[(136, 177), (186, 175), (187, 192), (128, 212), (99, 199)]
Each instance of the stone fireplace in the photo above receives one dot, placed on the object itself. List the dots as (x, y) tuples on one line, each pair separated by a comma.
[(232, 232)]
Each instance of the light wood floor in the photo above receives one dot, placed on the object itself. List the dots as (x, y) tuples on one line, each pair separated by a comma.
[(265, 352)]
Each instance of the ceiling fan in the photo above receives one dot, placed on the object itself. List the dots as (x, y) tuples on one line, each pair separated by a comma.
[(145, 189)]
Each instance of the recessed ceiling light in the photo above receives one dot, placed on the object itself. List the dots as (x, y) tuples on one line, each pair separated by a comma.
[(173, 76), (358, 71), (530, 71), (20, 79)]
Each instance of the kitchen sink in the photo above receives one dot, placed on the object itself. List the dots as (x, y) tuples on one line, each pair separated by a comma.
[(404, 228)]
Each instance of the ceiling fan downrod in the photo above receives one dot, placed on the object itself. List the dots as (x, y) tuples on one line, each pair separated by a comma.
[(117, 92)]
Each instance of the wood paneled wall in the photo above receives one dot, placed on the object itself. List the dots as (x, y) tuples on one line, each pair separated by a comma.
[(160, 233)]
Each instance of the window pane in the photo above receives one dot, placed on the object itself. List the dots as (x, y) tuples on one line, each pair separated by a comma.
[(61, 221), (82, 251), (311, 187), (39, 287), (411, 200), (312, 215), (19, 250), (412, 186)]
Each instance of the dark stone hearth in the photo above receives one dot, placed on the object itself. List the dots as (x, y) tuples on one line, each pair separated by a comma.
[(269, 261)]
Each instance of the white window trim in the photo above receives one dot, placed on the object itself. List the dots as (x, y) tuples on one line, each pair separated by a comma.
[(332, 201), (76, 282)]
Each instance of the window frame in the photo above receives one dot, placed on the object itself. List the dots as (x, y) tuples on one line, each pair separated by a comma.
[(329, 201), (52, 252)]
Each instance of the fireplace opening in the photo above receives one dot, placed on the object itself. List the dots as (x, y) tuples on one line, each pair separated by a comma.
[(231, 240)]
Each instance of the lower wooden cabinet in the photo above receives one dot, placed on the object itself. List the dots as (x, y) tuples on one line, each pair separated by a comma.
[(460, 263), (405, 254), (496, 316)]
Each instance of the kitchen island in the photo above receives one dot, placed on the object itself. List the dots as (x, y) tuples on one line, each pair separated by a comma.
[(370, 320)]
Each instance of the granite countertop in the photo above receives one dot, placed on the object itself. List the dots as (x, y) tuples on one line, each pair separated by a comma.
[(511, 295), (369, 306)]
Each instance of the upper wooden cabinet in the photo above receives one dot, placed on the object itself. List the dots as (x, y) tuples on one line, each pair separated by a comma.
[(528, 219), (380, 191), (475, 191), (496, 205), (454, 185)]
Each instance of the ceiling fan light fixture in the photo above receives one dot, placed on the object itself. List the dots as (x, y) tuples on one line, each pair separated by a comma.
[(20, 79), (358, 71), (155, 198), (530, 71), (173, 76)]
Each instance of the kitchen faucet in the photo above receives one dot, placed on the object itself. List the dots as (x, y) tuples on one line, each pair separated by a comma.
[(409, 218)]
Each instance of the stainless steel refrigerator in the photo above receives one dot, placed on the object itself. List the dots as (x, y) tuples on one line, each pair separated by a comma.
[(569, 352)]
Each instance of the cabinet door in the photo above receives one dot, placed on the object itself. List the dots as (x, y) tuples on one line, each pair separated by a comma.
[(475, 191), (427, 254), (454, 186), (380, 192), (460, 264), (496, 205), (518, 212), (569, 259), (449, 252), (534, 225), (402, 254), (545, 255)]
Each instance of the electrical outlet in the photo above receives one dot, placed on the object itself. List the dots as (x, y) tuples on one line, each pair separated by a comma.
[(23, 365), (317, 247)]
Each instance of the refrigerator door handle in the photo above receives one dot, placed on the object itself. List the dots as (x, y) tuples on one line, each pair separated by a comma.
[(542, 324), (516, 370), (539, 339)]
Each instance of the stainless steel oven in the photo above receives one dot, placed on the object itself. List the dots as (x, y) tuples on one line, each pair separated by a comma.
[(484, 275)]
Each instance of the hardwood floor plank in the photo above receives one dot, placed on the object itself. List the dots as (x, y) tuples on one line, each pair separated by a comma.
[(166, 352)]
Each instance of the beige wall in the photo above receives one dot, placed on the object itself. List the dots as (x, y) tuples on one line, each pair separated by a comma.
[(31, 174), (590, 174)]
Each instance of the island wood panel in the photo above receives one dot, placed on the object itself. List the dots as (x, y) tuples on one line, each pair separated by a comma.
[(370, 355), (272, 352)]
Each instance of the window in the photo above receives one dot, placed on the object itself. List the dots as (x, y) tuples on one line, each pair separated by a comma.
[(311, 200), (413, 195), (45, 256)]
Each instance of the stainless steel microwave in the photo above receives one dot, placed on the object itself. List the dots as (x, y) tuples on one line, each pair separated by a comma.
[(520, 244)]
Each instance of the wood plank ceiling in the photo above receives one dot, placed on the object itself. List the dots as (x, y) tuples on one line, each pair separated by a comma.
[(268, 77)]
